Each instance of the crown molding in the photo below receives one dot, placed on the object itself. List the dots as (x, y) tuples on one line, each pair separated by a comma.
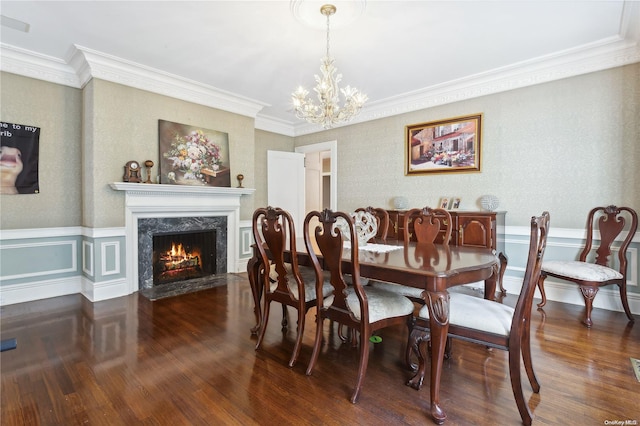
[(35, 65), (611, 53), (90, 63), (274, 125), (84, 64)]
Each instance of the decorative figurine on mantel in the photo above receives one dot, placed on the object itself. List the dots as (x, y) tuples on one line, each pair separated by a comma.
[(132, 172), (148, 164), (240, 177)]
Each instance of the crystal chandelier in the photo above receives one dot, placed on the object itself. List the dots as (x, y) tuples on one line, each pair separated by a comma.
[(329, 112)]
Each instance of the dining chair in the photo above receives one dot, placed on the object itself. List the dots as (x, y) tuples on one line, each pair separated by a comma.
[(426, 225), (382, 218), (493, 324), (360, 308), (284, 281), (589, 273)]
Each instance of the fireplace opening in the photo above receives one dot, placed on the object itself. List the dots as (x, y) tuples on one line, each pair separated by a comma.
[(183, 256)]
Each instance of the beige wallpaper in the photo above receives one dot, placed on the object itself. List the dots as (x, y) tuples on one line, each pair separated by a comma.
[(124, 126), (57, 111), (564, 147)]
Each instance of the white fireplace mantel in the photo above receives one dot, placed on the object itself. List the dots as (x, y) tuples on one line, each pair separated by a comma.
[(178, 190), (145, 200)]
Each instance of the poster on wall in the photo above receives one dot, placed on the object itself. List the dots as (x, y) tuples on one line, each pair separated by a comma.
[(192, 155), (19, 147)]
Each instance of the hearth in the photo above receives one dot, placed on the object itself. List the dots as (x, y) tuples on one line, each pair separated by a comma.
[(183, 256)]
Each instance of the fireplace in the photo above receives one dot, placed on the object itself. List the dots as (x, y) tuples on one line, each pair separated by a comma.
[(183, 256), (158, 208), (177, 249)]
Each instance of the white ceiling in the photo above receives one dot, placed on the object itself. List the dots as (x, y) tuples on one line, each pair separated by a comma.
[(403, 54)]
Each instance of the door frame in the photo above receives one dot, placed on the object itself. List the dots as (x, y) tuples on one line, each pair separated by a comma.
[(332, 147)]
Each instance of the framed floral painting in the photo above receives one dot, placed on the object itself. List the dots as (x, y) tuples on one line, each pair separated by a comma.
[(451, 145), (192, 155)]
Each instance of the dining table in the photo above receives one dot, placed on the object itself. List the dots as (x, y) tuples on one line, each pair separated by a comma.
[(432, 267)]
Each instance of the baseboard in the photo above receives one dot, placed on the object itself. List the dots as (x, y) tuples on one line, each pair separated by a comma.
[(241, 265), (104, 290), (607, 298), (27, 292)]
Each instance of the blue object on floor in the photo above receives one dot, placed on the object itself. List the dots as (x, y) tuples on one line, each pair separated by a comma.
[(7, 344)]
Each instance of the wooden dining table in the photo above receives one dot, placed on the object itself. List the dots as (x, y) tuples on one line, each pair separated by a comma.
[(432, 267)]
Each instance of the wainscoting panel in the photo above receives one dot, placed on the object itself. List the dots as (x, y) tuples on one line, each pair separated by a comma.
[(30, 259), (93, 262), (110, 258), (87, 258), (246, 240)]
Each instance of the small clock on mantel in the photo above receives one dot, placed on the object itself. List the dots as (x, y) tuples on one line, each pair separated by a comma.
[(132, 172)]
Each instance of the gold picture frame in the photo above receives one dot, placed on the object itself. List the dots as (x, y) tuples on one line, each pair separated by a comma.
[(453, 145)]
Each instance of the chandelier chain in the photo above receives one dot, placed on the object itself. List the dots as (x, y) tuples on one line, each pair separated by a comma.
[(328, 56)]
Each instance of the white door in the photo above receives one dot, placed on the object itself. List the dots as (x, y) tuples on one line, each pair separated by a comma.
[(313, 181), (285, 184), (329, 191)]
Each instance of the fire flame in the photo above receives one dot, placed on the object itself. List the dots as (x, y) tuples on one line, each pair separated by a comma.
[(178, 258), (177, 252), (178, 255)]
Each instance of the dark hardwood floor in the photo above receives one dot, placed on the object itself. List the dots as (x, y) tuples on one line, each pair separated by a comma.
[(190, 359)]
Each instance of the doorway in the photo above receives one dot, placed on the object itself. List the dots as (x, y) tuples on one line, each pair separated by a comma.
[(321, 175)]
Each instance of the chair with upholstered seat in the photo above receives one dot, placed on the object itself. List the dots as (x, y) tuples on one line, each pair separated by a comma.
[(590, 275), (360, 308), (382, 219), (493, 324), (424, 225), (284, 281)]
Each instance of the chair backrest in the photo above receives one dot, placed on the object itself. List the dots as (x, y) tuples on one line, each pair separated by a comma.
[(382, 218), (428, 225), (273, 230), (322, 234), (611, 222), (537, 246)]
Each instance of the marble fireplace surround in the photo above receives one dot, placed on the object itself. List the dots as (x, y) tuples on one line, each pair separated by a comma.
[(149, 227), (178, 201)]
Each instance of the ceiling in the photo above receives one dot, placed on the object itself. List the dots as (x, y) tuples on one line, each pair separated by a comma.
[(405, 55)]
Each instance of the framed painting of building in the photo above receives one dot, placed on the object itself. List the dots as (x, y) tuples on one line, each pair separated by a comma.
[(191, 155), (446, 146)]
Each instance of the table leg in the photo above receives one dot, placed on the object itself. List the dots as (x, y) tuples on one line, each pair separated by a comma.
[(503, 267), (438, 304), (490, 283), (254, 268)]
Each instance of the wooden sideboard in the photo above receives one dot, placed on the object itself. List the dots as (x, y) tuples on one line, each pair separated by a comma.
[(470, 229)]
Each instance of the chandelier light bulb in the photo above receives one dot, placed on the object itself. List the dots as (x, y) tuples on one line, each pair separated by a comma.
[(328, 112)]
